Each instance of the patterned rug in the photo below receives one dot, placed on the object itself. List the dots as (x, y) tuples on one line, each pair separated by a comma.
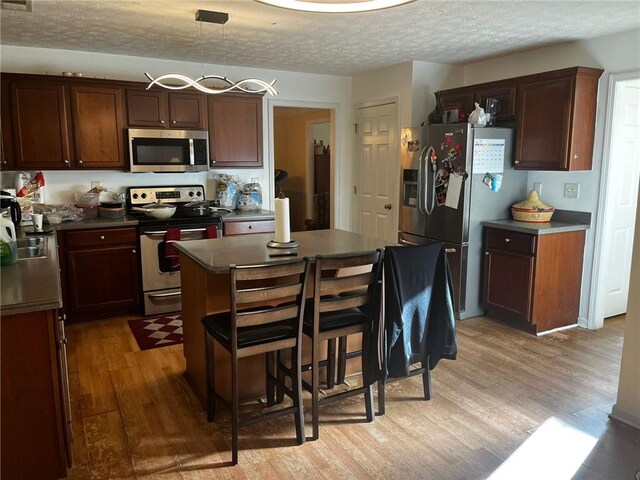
[(157, 332)]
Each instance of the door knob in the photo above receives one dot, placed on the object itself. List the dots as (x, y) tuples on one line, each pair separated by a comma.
[(387, 206)]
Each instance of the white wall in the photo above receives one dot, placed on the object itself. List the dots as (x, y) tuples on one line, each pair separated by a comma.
[(615, 54), (301, 87), (627, 407), (426, 79)]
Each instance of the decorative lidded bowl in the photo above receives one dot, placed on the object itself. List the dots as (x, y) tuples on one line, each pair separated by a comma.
[(532, 210)]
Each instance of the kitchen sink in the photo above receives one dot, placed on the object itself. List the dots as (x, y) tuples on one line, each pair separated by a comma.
[(31, 247), (29, 242)]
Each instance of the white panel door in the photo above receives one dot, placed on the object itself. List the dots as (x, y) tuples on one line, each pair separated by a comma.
[(620, 212), (377, 172)]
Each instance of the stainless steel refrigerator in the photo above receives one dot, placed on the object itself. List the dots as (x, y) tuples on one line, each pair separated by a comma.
[(429, 215)]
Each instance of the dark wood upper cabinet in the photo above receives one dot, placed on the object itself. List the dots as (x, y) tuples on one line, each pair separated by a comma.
[(40, 125), (161, 109), (97, 127), (7, 158), (147, 109), (235, 130), (556, 120), (555, 113), (188, 111)]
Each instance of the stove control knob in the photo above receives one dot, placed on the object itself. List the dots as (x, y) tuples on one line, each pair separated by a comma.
[(199, 194), (144, 195), (135, 195), (191, 194)]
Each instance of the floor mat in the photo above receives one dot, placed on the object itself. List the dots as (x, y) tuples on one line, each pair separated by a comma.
[(157, 332)]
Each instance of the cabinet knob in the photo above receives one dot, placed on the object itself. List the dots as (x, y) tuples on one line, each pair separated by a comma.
[(387, 206), (101, 237), (174, 122), (250, 227), (213, 161), (575, 156), (133, 251), (80, 162), (162, 122), (486, 253), (516, 162), (4, 162), (66, 161), (507, 240)]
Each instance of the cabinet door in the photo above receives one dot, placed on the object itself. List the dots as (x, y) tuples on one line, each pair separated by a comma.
[(146, 108), (188, 111), (458, 96), (505, 94), (508, 284), (39, 113), (7, 159), (97, 127), (102, 280), (544, 110), (235, 131)]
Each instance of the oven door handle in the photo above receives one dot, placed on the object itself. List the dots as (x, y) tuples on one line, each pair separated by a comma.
[(164, 232), (163, 295)]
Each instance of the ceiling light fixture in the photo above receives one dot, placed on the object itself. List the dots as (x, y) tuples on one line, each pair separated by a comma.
[(229, 86), (335, 6)]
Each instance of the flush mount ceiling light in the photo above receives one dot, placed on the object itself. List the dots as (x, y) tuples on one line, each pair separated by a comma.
[(229, 86), (335, 6)]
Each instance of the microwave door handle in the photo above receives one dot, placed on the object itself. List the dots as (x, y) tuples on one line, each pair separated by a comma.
[(192, 155), (421, 181)]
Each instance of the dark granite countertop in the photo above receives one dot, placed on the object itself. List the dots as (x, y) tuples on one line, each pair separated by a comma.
[(33, 284), (536, 228), (249, 215)]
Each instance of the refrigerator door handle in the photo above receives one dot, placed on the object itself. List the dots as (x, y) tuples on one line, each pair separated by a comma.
[(407, 242), (422, 181), (432, 193)]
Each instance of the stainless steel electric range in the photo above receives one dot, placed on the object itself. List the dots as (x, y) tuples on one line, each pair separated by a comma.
[(160, 278)]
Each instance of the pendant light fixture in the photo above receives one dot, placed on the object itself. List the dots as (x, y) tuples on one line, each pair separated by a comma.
[(247, 85), (335, 6)]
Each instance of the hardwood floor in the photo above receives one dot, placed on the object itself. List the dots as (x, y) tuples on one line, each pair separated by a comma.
[(135, 416)]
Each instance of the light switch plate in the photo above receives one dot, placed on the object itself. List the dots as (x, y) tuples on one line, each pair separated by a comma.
[(571, 190)]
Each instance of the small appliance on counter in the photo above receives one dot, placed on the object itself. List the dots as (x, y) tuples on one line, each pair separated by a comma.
[(532, 210), (10, 204)]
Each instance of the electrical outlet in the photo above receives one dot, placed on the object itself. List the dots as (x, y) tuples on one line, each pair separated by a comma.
[(96, 184), (571, 190), (537, 186)]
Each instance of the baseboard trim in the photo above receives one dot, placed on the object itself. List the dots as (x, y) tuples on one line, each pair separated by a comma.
[(625, 417)]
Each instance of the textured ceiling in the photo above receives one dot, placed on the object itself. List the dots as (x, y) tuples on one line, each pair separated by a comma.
[(261, 36)]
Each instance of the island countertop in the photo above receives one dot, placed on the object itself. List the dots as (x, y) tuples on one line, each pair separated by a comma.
[(216, 255)]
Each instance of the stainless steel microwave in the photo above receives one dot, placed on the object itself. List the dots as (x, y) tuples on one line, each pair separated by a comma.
[(158, 150)]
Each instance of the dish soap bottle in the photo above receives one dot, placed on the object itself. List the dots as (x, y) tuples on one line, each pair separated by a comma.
[(8, 246)]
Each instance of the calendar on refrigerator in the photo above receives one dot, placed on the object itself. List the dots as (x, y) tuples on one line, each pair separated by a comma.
[(488, 155)]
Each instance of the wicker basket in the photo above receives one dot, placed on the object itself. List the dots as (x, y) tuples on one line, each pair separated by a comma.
[(532, 210)]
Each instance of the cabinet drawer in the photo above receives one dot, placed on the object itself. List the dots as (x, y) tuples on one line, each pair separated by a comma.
[(510, 241), (242, 228), (98, 238)]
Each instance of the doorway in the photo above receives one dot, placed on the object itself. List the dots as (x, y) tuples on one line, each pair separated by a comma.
[(302, 148), (618, 199)]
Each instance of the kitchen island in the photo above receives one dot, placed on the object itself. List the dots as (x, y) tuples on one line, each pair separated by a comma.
[(205, 289)]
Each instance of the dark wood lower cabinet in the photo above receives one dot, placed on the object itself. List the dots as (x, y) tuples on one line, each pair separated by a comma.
[(36, 415), (100, 273), (533, 281)]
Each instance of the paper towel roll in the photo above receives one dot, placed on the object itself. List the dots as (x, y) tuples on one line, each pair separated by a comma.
[(282, 221)]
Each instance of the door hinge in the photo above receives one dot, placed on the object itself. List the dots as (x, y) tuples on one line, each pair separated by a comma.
[(355, 127)]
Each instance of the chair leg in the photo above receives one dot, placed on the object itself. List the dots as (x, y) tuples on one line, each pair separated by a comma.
[(280, 376), (314, 389), (211, 377), (331, 362), (381, 406), (342, 359), (368, 393), (426, 381), (296, 387), (271, 387), (234, 410)]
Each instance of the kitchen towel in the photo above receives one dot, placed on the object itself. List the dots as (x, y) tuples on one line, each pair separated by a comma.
[(171, 257), (283, 229)]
